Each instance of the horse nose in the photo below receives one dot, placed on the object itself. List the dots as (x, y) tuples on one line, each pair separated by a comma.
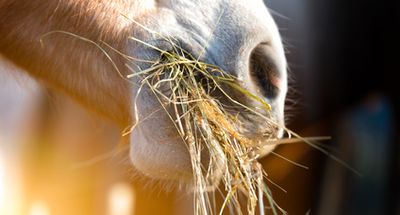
[(260, 69), (266, 71), (255, 56)]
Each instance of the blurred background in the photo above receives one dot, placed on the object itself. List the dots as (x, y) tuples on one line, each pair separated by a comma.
[(343, 80), (343, 63)]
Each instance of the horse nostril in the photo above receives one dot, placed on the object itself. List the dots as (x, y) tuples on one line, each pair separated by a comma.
[(264, 71)]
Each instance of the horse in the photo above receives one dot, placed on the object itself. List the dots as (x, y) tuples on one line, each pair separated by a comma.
[(78, 46)]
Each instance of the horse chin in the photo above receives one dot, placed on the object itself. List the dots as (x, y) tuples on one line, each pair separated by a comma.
[(158, 152), (168, 159), (160, 159)]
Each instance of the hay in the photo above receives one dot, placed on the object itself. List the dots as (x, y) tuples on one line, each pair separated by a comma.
[(186, 86)]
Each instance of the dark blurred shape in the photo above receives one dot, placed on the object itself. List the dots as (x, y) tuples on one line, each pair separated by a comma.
[(365, 139)]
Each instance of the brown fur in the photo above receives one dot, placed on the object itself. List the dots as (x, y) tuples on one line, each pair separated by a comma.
[(66, 63)]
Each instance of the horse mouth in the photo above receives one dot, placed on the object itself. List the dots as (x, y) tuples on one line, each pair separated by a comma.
[(205, 103)]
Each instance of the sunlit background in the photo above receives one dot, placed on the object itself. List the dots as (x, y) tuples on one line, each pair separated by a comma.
[(58, 159)]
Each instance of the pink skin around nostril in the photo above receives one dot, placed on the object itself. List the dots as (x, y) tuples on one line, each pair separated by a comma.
[(276, 81)]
